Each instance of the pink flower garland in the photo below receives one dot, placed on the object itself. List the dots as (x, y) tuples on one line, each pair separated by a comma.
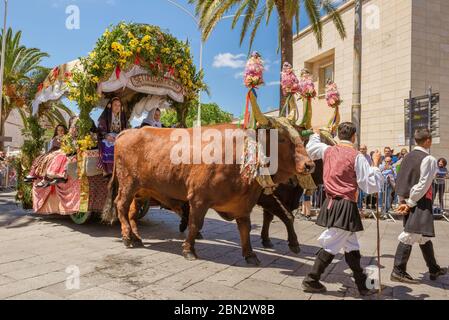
[(332, 95), (253, 76), (307, 87), (289, 82)]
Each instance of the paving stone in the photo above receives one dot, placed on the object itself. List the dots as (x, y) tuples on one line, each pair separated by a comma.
[(232, 276), (5, 280), (86, 282), (217, 291), (37, 250), (15, 288), (35, 271), (122, 287), (16, 256), (14, 266), (98, 293), (270, 290), (36, 295), (159, 292)]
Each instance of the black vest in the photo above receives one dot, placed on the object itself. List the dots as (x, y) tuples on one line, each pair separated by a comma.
[(420, 220), (409, 173)]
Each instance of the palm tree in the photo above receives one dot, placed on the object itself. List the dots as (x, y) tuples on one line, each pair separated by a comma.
[(20, 62), (22, 76), (255, 11)]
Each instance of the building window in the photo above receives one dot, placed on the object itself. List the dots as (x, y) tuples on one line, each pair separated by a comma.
[(326, 73)]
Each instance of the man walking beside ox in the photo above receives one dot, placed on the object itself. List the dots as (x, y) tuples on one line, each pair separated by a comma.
[(414, 188), (345, 171)]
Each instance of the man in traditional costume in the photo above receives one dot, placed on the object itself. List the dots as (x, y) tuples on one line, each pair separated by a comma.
[(414, 188), (345, 171)]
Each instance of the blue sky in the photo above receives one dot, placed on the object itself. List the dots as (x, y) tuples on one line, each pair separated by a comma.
[(43, 25)]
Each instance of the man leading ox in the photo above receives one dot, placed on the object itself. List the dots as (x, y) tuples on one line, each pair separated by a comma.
[(345, 171)]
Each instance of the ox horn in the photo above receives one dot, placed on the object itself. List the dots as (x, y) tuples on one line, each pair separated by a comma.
[(257, 114)]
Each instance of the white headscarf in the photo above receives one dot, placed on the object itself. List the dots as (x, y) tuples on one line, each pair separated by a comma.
[(150, 120)]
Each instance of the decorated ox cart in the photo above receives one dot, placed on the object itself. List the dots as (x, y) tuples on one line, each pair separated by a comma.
[(146, 69)]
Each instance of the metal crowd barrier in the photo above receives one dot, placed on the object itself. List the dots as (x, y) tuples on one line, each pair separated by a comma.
[(318, 198), (387, 199), (440, 189), (8, 177)]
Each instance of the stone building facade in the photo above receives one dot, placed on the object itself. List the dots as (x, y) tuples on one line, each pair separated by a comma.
[(405, 47)]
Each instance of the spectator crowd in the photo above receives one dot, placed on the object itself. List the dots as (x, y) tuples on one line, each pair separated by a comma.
[(8, 177), (387, 199)]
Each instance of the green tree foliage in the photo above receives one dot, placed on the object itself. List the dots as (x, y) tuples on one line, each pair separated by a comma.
[(210, 114), (32, 147)]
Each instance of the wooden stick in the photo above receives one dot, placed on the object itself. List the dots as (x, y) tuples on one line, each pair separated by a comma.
[(378, 246)]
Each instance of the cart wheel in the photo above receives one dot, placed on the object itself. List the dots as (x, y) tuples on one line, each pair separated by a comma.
[(143, 210), (81, 218)]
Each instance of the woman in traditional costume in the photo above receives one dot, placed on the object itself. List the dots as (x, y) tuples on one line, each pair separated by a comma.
[(153, 119), (112, 121), (56, 168), (41, 163), (107, 158)]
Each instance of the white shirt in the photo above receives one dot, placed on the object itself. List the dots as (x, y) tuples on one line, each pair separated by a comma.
[(369, 179), (428, 169)]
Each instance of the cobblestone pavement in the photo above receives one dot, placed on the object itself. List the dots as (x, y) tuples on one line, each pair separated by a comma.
[(36, 256)]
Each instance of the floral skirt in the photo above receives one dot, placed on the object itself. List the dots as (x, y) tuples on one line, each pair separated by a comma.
[(57, 166), (41, 164)]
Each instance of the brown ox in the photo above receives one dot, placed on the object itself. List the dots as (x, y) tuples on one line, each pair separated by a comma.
[(143, 169)]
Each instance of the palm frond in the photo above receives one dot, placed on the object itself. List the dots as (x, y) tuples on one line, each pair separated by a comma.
[(313, 12), (331, 9)]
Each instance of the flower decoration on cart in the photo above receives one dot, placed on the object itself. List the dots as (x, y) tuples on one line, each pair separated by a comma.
[(307, 92), (253, 76), (334, 101), (127, 49), (253, 79), (254, 160), (123, 46), (290, 87)]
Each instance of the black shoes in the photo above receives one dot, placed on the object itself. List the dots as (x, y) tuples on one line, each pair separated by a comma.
[(441, 272), (29, 179), (401, 258), (353, 260), (43, 184), (428, 253), (311, 283), (305, 218), (313, 286), (403, 252), (58, 181), (402, 277)]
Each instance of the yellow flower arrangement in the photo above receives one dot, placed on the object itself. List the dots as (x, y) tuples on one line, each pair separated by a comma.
[(122, 46), (134, 43), (87, 143), (67, 145), (117, 47)]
